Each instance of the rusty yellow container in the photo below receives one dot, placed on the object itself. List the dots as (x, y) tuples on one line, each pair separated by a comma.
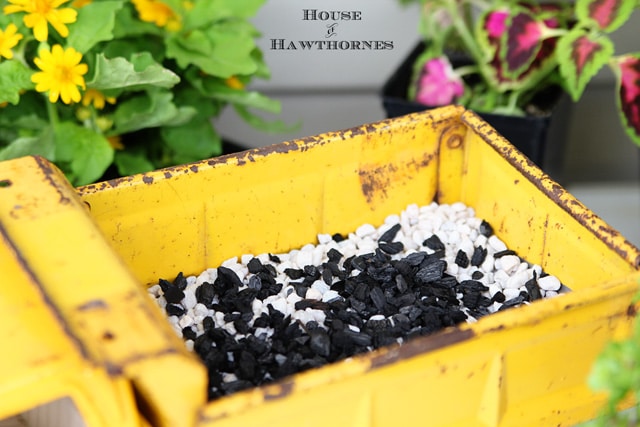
[(521, 367)]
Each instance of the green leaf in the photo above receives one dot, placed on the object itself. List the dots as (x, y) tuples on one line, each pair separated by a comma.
[(132, 46), (41, 145), (15, 77), (132, 162), (184, 114), (580, 56), (222, 50), (139, 73), (215, 88), (262, 71), (29, 114), (148, 110), (94, 24), (264, 125), (83, 154), (627, 71), (607, 15), (520, 43), (194, 141), (208, 11)]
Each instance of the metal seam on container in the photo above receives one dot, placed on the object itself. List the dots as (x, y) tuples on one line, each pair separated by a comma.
[(47, 171), (421, 345)]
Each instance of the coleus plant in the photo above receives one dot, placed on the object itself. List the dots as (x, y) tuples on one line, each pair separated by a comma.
[(514, 49), (134, 85)]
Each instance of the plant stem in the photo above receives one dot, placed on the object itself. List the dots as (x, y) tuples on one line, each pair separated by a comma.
[(469, 41), (94, 122), (52, 111), (466, 70), (513, 100)]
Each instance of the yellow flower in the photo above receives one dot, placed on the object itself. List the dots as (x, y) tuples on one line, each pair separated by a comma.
[(41, 12), (234, 83), (158, 13), (61, 73), (8, 39), (80, 3), (115, 142), (97, 98)]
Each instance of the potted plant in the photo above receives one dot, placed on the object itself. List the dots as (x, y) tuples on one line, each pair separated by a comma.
[(511, 60), (616, 372), (127, 84)]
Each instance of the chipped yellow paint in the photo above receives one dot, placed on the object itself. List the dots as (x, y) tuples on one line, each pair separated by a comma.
[(526, 366)]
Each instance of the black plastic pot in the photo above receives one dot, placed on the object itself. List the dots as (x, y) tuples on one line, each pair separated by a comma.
[(540, 138)]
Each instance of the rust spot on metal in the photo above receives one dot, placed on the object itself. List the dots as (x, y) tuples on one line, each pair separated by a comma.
[(49, 171), (421, 345), (147, 179), (114, 370), (278, 390), (93, 305), (375, 181), (497, 328), (452, 136), (144, 356)]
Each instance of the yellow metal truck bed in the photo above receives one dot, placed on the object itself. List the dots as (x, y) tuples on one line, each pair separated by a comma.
[(521, 367)]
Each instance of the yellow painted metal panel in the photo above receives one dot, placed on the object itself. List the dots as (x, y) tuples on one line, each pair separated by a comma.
[(537, 217), (272, 199), (101, 308), (41, 361), (525, 366)]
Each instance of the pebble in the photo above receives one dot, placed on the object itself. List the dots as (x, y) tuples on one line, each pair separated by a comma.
[(549, 283), (263, 317)]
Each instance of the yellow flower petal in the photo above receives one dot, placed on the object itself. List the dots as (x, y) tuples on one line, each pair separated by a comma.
[(61, 74), (40, 13), (9, 38), (115, 142), (157, 12)]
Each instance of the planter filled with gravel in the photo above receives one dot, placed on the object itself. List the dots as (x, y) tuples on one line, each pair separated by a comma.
[(261, 318), (413, 266)]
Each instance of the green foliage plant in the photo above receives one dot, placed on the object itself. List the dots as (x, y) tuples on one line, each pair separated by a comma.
[(616, 372), (515, 49), (131, 85)]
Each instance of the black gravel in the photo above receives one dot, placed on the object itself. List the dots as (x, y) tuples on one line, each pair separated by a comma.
[(388, 302)]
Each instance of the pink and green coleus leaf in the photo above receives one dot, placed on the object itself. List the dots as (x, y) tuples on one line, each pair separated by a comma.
[(627, 70), (504, 45), (607, 15), (520, 43), (490, 26), (580, 56)]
